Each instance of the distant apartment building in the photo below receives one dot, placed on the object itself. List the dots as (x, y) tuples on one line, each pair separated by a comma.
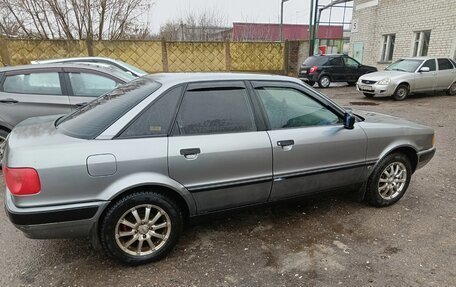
[(385, 30)]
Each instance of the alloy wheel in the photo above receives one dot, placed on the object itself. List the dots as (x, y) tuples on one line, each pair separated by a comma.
[(392, 180), (142, 230)]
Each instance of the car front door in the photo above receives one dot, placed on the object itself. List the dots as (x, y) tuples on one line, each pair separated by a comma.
[(426, 81), (32, 93), (312, 151), (446, 74), (85, 85), (218, 150), (352, 68)]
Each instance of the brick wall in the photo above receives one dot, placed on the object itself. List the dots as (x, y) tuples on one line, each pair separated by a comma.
[(403, 18)]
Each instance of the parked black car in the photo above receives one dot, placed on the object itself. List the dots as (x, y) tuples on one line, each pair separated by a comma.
[(324, 69)]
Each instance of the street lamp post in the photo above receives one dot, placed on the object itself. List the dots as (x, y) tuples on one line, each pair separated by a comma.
[(281, 19)]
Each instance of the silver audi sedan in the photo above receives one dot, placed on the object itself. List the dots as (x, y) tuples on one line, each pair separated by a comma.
[(127, 169), (411, 75)]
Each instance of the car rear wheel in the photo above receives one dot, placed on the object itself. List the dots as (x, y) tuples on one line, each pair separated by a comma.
[(389, 180), (401, 93), (452, 90), (3, 136), (351, 83), (368, 95), (324, 81), (140, 228), (311, 83)]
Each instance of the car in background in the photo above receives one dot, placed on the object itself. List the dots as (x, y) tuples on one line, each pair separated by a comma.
[(118, 64), (129, 168), (49, 89), (411, 75), (325, 69)]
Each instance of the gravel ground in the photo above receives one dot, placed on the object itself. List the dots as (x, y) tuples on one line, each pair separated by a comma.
[(321, 241)]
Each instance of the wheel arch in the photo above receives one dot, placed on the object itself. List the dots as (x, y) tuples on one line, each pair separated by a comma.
[(409, 151)]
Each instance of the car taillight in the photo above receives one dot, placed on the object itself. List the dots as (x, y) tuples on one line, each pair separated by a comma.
[(22, 181), (313, 70)]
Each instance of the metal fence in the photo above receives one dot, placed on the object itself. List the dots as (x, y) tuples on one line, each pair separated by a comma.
[(158, 56)]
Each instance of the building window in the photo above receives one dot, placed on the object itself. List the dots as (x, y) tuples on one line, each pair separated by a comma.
[(421, 43), (388, 48)]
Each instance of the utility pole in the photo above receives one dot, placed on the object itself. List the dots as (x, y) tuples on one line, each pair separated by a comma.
[(310, 27), (281, 19), (314, 28)]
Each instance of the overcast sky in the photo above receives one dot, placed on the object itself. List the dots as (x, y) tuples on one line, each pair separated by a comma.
[(263, 11)]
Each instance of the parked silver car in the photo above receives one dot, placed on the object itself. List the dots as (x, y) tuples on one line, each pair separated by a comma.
[(129, 167), (38, 90), (117, 64), (411, 75)]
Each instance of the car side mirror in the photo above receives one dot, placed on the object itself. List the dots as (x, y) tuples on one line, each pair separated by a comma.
[(349, 121), (425, 70)]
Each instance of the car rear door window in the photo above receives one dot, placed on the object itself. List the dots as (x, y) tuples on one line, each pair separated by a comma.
[(216, 110), (155, 119), (430, 64), (33, 83), (90, 85), (290, 108), (337, 61), (444, 64)]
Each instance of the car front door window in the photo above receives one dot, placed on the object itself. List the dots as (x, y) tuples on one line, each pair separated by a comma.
[(290, 108), (90, 85)]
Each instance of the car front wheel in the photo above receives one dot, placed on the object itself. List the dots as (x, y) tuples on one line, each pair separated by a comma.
[(3, 136), (324, 81), (140, 228), (389, 180), (401, 92)]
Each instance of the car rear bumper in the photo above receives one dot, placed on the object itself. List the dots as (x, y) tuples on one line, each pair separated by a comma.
[(308, 77), (46, 222), (425, 156), (375, 89)]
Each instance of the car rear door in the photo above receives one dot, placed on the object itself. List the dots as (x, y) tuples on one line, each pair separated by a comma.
[(312, 151), (336, 68), (85, 85), (219, 150), (446, 73), (31, 93)]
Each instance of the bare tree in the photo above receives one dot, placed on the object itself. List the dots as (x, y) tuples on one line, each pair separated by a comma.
[(74, 19), (194, 26)]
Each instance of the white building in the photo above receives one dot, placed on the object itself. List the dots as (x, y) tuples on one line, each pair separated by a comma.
[(386, 30)]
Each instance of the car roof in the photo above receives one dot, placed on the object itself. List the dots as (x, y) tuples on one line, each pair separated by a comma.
[(425, 58), (178, 78), (101, 69)]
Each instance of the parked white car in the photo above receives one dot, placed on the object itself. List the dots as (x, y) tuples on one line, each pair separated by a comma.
[(410, 75)]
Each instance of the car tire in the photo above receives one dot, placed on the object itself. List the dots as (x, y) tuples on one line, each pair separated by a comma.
[(368, 95), (389, 180), (452, 90), (311, 83), (3, 136), (324, 81), (124, 237), (401, 92)]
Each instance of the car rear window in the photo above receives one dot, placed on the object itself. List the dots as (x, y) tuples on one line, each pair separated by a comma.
[(315, 61), (91, 120)]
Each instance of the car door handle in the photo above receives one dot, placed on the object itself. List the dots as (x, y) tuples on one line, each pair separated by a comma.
[(9, 101), (190, 151), (285, 143)]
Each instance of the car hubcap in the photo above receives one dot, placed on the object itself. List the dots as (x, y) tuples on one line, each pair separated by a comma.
[(143, 230), (325, 82), (392, 180), (401, 92)]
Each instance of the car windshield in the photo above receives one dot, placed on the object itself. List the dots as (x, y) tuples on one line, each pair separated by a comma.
[(405, 65), (133, 68), (92, 119), (315, 61)]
